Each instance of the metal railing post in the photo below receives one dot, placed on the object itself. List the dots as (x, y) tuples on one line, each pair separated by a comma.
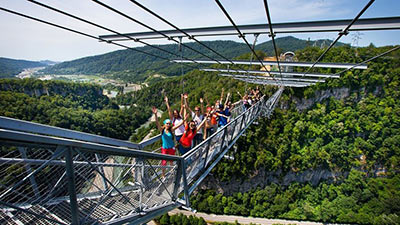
[(233, 131), (139, 175), (243, 119), (177, 180), (71, 186), (223, 138), (185, 183), (207, 151)]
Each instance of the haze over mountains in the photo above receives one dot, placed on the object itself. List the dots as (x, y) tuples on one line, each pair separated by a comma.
[(133, 66)]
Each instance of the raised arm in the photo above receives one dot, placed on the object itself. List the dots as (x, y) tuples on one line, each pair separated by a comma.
[(239, 94), (171, 116), (201, 106), (154, 109), (201, 124), (222, 96), (219, 114), (178, 125), (182, 106), (227, 98), (185, 97)]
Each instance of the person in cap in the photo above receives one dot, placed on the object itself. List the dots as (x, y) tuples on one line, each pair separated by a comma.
[(167, 137)]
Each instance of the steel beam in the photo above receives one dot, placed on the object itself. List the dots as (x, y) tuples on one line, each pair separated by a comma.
[(270, 78), (85, 146), (275, 63), (368, 24), (267, 82), (285, 74)]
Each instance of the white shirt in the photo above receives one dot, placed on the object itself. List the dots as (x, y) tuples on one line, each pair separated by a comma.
[(180, 130), (198, 120)]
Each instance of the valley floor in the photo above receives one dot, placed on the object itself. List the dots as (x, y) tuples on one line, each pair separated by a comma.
[(212, 218)]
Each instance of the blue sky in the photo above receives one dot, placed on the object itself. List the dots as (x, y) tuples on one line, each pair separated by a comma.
[(25, 39)]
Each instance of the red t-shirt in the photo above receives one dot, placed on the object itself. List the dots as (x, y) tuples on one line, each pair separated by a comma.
[(187, 138)]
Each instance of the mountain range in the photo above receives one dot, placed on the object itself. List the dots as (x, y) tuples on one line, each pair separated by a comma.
[(133, 66), (12, 67)]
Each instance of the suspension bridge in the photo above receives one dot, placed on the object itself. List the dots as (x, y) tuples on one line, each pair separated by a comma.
[(51, 175)]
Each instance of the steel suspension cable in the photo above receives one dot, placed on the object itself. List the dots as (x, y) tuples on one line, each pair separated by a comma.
[(241, 35), (251, 58), (102, 27), (272, 34), (178, 29), (370, 59), (79, 32), (343, 32), (149, 27)]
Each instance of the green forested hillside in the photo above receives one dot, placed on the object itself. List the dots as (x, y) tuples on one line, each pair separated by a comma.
[(132, 66), (358, 133), (11, 67), (74, 106)]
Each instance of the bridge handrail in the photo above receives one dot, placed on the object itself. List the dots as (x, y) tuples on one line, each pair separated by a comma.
[(86, 146), (25, 126)]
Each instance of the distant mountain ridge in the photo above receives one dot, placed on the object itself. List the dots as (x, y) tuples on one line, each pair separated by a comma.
[(133, 66), (12, 67), (48, 62)]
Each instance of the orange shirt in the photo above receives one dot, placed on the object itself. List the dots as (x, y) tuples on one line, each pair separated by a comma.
[(214, 119)]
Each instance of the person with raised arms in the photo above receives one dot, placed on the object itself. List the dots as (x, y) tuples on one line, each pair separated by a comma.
[(175, 117), (167, 137)]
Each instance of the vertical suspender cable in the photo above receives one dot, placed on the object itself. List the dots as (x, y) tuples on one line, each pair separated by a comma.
[(272, 34), (242, 36), (181, 51), (152, 29), (178, 29), (251, 57)]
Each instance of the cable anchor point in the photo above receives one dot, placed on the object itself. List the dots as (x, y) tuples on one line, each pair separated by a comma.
[(273, 35), (344, 32)]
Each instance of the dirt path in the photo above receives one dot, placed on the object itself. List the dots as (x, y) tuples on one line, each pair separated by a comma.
[(210, 218)]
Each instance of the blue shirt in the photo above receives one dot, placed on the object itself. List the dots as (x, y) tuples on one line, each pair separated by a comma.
[(167, 140), (222, 121)]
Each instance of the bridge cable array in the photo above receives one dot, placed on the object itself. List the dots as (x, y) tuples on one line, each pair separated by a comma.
[(370, 59), (180, 30), (152, 29), (84, 34), (102, 27), (272, 34), (345, 31), (241, 35)]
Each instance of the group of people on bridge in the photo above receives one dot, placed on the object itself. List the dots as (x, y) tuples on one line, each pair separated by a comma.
[(189, 131)]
